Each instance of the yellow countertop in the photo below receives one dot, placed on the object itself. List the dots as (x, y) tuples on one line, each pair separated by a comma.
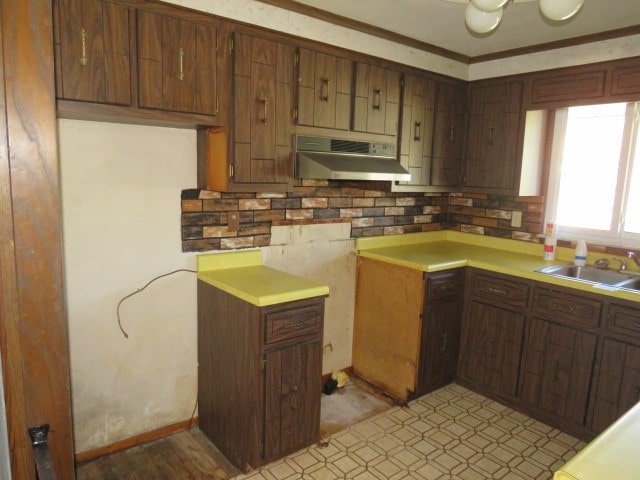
[(243, 275), (613, 454), (435, 251)]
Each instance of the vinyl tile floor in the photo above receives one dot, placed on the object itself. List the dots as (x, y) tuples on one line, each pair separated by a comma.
[(452, 433)]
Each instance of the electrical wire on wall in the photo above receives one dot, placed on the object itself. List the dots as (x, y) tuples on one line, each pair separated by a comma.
[(140, 290)]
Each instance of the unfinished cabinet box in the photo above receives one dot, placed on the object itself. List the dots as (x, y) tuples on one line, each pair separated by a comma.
[(259, 375), (92, 51), (324, 90)]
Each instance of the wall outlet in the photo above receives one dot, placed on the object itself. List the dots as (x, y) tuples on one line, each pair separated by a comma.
[(516, 219), (233, 221)]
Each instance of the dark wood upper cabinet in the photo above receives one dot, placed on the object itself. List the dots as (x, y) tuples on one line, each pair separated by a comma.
[(376, 105), (262, 73), (448, 134), (416, 128), (492, 157), (177, 64), (324, 90), (92, 51)]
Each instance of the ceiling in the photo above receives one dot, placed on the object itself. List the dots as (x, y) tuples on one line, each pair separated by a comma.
[(441, 22)]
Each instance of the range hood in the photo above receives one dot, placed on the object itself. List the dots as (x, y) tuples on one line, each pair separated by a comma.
[(337, 159)]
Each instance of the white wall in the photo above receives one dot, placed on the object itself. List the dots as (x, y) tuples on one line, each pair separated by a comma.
[(121, 189), (323, 253)]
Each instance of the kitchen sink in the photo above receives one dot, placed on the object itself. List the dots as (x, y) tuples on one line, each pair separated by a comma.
[(594, 275)]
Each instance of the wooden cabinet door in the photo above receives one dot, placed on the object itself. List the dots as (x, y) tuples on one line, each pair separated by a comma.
[(292, 398), (492, 156), (324, 90), (377, 100), (491, 347), (557, 369), (92, 50), (262, 111), (416, 138), (177, 62), (448, 134), (618, 383)]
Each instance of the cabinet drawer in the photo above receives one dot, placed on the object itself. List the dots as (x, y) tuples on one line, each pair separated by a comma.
[(292, 321), (623, 320), (444, 284), (501, 290), (556, 305)]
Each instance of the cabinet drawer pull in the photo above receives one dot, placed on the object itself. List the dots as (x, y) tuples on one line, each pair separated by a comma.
[(636, 324), (180, 64), (499, 291), (416, 131), (324, 89), (451, 135), (444, 343), (305, 323), (555, 372), (492, 345), (83, 47), (294, 388), (265, 119), (491, 135), (377, 98)]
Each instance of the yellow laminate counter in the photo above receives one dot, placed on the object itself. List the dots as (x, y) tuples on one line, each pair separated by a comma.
[(242, 274), (613, 454), (442, 250)]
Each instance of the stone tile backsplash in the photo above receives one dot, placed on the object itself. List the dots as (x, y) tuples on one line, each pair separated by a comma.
[(368, 207)]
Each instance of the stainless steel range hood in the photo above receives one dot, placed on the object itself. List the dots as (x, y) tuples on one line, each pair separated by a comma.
[(337, 159)]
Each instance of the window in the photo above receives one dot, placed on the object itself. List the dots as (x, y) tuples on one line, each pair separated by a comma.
[(594, 185)]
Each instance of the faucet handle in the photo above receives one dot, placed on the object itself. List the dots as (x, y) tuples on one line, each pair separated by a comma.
[(623, 263)]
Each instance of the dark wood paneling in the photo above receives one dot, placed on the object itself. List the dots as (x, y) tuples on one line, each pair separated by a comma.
[(34, 275), (501, 290), (229, 383), (285, 323), (567, 88), (569, 307), (376, 104), (448, 135)]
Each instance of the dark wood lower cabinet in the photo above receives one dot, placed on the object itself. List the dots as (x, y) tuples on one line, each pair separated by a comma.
[(491, 354), (618, 386), (440, 330), (558, 364), (259, 375)]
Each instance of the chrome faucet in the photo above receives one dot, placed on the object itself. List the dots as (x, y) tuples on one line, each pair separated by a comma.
[(634, 256), (623, 264)]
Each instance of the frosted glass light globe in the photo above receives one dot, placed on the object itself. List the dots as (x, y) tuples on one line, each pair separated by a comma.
[(559, 10), (488, 5), (482, 22)]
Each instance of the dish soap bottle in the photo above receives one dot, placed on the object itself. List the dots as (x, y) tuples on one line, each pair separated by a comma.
[(580, 257), (550, 241)]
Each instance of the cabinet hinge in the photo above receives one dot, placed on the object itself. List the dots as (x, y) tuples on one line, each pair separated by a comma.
[(263, 363), (295, 113), (230, 171)]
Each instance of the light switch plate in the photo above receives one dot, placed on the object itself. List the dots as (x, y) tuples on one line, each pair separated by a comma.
[(516, 219)]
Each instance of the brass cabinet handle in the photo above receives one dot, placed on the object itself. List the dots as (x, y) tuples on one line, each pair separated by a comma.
[(217, 105), (377, 98), (491, 135), (416, 131), (451, 135), (265, 118), (444, 343), (497, 290), (294, 388), (83, 43), (324, 88), (181, 64)]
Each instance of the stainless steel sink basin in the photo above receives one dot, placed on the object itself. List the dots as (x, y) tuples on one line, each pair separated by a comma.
[(594, 275)]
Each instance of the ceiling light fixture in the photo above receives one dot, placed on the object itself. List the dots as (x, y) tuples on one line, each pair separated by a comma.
[(483, 16)]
